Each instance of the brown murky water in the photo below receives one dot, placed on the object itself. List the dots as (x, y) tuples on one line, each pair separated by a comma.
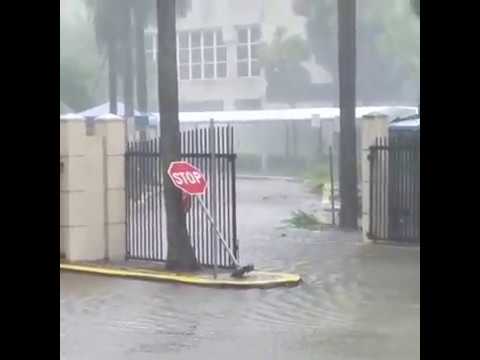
[(356, 302)]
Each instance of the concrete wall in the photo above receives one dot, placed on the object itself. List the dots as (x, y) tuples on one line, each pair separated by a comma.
[(92, 190)]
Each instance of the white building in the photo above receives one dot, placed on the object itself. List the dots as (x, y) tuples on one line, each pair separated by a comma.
[(217, 50)]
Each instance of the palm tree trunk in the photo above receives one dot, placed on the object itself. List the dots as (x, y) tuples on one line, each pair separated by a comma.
[(141, 64), (180, 252), (128, 65), (347, 82), (112, 78)]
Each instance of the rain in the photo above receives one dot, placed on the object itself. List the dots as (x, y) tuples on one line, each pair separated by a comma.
[(240, 178)]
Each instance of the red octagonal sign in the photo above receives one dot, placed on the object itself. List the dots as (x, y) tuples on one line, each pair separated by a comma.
[(187, 177)]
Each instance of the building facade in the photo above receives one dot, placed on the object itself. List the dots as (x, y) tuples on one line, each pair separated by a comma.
[(218, 45)]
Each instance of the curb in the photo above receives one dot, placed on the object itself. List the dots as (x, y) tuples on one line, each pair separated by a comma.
[(255, 280)]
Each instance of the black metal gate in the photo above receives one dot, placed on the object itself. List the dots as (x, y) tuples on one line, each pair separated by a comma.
[(145, 212), (395, 190)]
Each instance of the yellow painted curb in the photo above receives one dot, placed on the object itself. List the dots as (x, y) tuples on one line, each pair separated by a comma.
[(255, 279)]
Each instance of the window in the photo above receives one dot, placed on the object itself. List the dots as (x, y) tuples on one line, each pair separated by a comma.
[(248, 47), (201, 55)]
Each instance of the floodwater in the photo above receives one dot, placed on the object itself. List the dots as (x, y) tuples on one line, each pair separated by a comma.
[(357, 301)]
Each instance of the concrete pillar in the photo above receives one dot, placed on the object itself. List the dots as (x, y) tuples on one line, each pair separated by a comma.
[(81, 235), (115, 219), (373, 125), (72, 152)]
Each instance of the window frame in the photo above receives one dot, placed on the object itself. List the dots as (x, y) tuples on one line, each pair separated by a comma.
[(216, 47), (249, 44)]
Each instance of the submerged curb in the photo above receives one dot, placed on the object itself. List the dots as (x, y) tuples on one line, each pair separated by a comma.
[(256, 279)]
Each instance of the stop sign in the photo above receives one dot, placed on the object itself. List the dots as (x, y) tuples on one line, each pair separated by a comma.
[(187, 177)]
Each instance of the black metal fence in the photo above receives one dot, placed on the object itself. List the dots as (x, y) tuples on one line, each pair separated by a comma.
[(146, 225), (395, 190)]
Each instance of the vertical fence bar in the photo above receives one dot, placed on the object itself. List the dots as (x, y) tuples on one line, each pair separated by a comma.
[(228, 195), (376, 212), (188, 216), (135, 197), (155, 199), (193, 210), (224, 200), (163, 239), (127, 200), (207, 201), (142, 201), (151, 198), (372, 187), (391, 188), (213, 193), (384, 187), (234, 201)]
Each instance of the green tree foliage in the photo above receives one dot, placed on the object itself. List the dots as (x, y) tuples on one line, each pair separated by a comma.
[(415, 6), (288, 80), (387, 46), (79, 60), (76, 79)]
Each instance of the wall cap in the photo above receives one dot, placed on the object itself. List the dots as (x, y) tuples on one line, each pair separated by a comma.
[(71, 117), (109, 117), (375, 115)]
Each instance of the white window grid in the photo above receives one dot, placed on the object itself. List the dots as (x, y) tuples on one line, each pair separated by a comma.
[(203, 63), (190, 63), (250, 43)]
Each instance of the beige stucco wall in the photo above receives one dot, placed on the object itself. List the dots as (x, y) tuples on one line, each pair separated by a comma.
[(92, 204)]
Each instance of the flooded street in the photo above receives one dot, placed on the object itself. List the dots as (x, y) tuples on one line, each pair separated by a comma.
[(357, 301)]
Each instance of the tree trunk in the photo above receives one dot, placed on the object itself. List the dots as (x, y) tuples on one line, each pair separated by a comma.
[(180, 252), (142, 92), (128, 65), (112, 77), (347, 81)]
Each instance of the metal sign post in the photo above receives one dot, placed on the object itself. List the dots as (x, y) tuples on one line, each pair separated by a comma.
[(191, 181), (217, 232)]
